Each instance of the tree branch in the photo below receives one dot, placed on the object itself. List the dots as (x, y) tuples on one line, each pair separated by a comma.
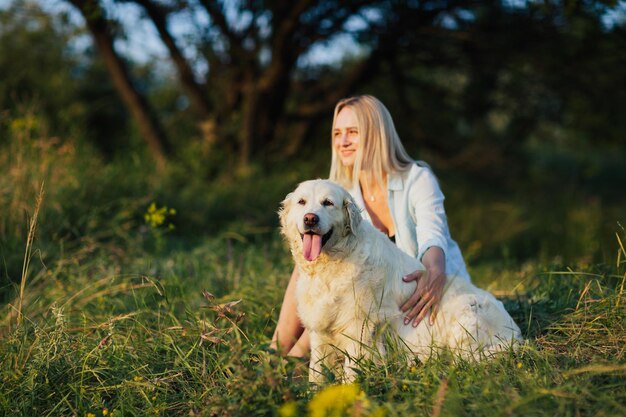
[(195, 90), (219, 20)]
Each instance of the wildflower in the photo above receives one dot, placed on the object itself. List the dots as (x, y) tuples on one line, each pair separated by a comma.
[(159, 221), (519, 365), (155, 217), (337, 400), (288, 409), (413, 369), (91, 415), (105, 412), (138, 378)]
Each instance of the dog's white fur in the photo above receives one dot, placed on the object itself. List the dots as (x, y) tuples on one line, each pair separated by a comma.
[(354, 287)]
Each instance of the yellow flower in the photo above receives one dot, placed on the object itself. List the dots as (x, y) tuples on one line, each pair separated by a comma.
[(413, 369), (105, 412), (337, 400), (156, 217), (91, 415), (138, 378), (519, 365), (288, 409)]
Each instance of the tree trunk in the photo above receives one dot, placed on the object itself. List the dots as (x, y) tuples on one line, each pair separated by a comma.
[(136, 104), (248, 127), (264, 105)]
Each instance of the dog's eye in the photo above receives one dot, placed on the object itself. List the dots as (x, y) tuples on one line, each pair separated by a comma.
[(302, 202), (327, 203)]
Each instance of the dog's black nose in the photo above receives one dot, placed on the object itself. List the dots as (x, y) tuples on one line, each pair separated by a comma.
[(311, 219)]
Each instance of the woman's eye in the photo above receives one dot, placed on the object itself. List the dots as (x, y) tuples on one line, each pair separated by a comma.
[(327, 203), (302, 202)]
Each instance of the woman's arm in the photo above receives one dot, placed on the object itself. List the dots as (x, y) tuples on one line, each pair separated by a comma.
[(429, 290), (289, 328), (431, 231)]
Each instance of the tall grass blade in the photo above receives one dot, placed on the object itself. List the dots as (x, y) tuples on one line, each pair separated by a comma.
[(27, 254), (621, 252)]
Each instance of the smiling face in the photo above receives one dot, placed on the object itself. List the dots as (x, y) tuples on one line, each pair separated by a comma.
[(346, 136), (316, 215)]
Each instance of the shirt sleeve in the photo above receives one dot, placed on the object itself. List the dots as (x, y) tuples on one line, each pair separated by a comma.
[(431, 225)]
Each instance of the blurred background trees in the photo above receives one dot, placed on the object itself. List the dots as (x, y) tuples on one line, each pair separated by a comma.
[(474, 83)]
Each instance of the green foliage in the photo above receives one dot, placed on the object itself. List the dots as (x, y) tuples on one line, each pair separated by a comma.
[(35, 64), (42, 67), (85, 201)]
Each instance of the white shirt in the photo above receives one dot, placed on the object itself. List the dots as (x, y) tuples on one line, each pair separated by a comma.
[(419, 219)]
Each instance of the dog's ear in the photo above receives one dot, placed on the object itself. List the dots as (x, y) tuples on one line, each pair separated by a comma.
[(352, 216), (283, 211)]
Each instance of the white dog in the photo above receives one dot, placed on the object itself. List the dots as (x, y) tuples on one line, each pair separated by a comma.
[(350, 285)]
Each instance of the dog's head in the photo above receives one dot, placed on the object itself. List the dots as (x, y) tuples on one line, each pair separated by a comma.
[(317, 216)]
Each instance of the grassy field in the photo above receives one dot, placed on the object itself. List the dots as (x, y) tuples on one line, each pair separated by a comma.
[(110, 311)]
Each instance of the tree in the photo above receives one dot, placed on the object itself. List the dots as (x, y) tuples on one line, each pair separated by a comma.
[(137, 105)]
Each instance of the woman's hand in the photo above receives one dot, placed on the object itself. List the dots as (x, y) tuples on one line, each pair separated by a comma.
[(429, 290)]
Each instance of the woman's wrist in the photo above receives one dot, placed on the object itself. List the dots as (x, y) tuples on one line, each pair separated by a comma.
[(434, 260)]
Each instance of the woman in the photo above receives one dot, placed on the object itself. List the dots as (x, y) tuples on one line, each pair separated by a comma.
[(399, 196)]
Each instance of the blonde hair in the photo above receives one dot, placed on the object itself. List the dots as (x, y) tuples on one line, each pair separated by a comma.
[(380, 151)]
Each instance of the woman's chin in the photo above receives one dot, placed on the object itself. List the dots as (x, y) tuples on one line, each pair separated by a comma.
[(347, 162)]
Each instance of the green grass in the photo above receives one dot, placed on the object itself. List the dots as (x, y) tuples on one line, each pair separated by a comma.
[(123, 318), (97, 338)]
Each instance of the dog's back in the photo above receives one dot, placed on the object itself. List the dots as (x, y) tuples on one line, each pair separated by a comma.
[(470, 321)]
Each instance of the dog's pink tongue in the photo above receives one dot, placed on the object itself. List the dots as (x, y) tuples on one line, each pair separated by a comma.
[(311, 246)]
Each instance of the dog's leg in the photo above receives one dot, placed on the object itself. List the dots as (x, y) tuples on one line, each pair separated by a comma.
[(356, 350), (352, 350), (319, 357)]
